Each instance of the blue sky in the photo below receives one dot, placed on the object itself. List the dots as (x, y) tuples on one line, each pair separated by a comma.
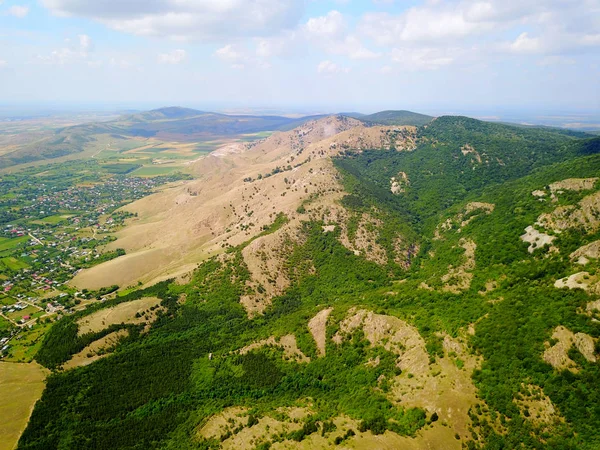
[(367, 55)]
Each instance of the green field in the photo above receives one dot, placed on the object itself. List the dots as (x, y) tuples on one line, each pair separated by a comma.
[(25, 348), (7, 244), (207, 147), (154, 171), (50, 220), (6, 300), (154, 150), (13, 263), (120, 169), (4, 324)]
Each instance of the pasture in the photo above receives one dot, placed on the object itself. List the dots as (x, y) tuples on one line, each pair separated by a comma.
[(12, 263), (154, 171), (9, 244), (51, 220)]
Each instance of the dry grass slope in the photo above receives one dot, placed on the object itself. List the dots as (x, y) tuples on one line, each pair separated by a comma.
[(231, 201), (21, 385)]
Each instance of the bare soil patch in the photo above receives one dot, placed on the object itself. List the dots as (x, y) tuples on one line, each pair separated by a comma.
[(589, 251), (536, 239), (580, 280), (365, 240), (393, 334), (586, 215), (557, 355), (458, 278), (122, 313), (239, 190), (536, 406), (318, 328), (287, 343)]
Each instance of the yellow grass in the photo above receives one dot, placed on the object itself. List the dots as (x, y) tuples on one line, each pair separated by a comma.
[(21, 385), (122, 313)]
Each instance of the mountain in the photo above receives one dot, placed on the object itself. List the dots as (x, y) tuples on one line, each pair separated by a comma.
[(170, 113), (341, 284), (396, 118), (184, 224), (172, 124)]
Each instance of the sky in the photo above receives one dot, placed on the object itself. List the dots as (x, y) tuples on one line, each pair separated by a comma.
[(317, 55)]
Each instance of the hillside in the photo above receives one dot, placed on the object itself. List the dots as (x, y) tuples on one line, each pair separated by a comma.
[(350, 287), (240, 189)]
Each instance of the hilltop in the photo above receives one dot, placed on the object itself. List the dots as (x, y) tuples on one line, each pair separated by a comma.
[(396, 118)]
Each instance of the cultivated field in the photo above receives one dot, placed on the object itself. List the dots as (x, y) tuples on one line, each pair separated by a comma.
[(21, 385)]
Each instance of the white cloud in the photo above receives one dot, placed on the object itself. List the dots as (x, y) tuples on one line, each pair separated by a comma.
[(71, 52), (417, 25), (437, 33), (240, 57), (450, 22), (329, 32), (525, 44), (3, 63), (330, 26), (270, 47), (174, 57), (411, 59), (18, 11), (330, 68), (229, 53), (235, 56), (187, 19)]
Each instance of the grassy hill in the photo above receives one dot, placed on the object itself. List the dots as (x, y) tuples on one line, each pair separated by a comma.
[(416, 305), (396, 118)]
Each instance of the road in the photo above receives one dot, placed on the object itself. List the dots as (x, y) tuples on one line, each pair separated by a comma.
[(35, 239)]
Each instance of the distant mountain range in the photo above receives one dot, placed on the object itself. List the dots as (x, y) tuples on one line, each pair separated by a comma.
[(179, 125)]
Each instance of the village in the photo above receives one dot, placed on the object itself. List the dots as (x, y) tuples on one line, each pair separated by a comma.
[(51, 227)]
